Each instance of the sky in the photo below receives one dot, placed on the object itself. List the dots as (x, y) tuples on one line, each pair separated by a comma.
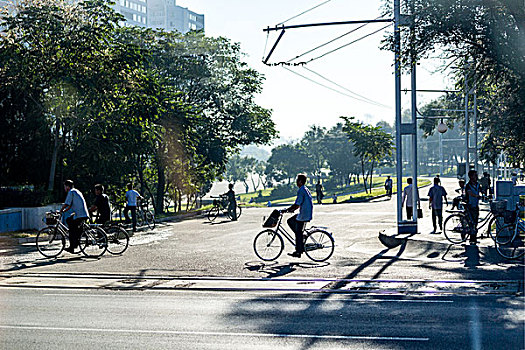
[(360, 67)]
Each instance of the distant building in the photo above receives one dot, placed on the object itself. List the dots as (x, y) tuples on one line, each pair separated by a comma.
[(135, 11), (165, 14)]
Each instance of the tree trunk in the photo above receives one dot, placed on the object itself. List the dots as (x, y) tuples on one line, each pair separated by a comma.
[(52, 170), (364, 177), (161, 184)]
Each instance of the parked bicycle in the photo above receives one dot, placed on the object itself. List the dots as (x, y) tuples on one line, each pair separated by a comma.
[(220, 207), (269, 244), (145, 217), (510, 237), (51, 240)]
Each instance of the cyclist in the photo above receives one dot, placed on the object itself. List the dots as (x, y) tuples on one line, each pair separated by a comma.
[(101, 205), (232, 203), (76, 204), (472, 196), (388, 186), (131, 205), (297, 222)]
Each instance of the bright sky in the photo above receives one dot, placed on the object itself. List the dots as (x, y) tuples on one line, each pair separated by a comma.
[(296, 102)]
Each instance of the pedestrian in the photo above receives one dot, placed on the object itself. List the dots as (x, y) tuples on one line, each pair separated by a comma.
[(232, 203), (484, 183), (388, 186), (334, 198), (435, 197), (304, 203), (514, 179), (319, 192), (131, 205), (472, 194), (76, 205), (101, 205), (407, 196)]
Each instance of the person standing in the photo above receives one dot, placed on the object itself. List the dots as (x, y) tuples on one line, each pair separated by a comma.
[(435, 196), (472, 194), (407, 196), (101, 205), (388, 186), (484, 184), (297, 222), (131, 205), (232, 203), (76, 205), (319, 192)]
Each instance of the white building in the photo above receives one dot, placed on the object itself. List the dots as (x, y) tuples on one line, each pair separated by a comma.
[(165, 14), (135, 11)]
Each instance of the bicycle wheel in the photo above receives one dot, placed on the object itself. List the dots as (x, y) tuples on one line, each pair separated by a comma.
[(50, 242), (149, 219), (456, 228), (239, 211), (93, 242), (495, 224), (118, 239), (319, 245), (268, 245), (513, 247), (213, 213)]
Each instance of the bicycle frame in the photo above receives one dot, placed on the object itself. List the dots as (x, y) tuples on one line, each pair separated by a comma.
[(281, 230)]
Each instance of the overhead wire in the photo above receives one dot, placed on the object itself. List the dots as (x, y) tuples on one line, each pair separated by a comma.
[(332, 89), (379, 104), (332, 40), (306, 11)]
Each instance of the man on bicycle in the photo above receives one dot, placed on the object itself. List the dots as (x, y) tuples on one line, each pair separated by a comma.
[(101, 205), (79, 212), (297, 222)]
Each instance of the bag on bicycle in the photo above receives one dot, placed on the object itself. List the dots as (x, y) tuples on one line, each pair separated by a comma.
[(509, 216), (273, 219)]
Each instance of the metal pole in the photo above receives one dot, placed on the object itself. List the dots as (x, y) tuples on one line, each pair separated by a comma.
[(441, 163), (475, 122), (467, 122), (397, 77), (414, 138)]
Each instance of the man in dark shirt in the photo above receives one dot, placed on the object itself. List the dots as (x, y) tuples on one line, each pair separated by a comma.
[(232, 203), (101, 205), (472, 192)]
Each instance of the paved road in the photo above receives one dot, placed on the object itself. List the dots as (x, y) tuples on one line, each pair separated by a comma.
[(58, 319)]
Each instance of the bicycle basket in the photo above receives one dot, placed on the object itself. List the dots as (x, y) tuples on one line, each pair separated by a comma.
[(509, 216), (498, 207), (273, 219), (51, 218)]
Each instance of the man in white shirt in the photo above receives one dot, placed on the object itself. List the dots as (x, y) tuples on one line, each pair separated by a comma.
[(407, 195), (76, 205), (131, 205)]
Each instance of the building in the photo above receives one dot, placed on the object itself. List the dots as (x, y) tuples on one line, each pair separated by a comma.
[(135, 11), (165, 14)]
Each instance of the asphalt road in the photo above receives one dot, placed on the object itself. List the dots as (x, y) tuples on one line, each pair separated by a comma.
[(83, 319)]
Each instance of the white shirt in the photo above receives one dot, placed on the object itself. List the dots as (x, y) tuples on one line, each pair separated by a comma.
[(78, 205), (407, 194)]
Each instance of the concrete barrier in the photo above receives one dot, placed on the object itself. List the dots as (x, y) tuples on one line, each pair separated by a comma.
[(19, 219)]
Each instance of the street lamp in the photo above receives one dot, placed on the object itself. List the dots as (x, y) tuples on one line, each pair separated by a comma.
[(442, 127)]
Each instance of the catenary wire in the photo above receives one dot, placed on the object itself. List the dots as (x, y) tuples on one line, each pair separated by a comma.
[(306, 11), (330, 88), (379, 104), (350, 43), (331, 41)]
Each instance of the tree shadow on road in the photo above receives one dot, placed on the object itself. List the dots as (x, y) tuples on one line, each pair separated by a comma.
[(274, 269)]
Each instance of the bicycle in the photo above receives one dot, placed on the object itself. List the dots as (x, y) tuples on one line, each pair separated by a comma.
[(220, 206), (269, 244), (118, 237), (51, 240), (510, 237), (145, 216)]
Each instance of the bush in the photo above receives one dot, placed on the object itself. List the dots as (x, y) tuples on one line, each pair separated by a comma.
[(283, 191), (25, 197)]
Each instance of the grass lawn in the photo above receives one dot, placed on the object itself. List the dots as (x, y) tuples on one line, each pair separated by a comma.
[(343, 193)]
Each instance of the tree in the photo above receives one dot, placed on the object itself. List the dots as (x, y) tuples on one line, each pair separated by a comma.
[(339, 154), (485, 40), (286, 161), (371, 144), (312, 142)]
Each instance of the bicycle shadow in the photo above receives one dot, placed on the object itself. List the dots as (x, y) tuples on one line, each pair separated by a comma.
[(274, 269)]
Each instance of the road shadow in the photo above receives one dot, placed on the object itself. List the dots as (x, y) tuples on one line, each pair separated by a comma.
[(274, 269)]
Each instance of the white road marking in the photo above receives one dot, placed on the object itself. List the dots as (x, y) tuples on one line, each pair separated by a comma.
[(226, 334)]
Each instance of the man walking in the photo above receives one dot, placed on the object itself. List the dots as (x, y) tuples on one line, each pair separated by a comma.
[(388, 186), (472, 193), (319, 192), (131, 205), (436, 195), (76, 204), (232, 203), (407, 196), (297, 222)]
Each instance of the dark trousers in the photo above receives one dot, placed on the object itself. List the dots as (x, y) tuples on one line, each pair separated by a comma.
[(232, 209), (410, 212), (474, 215), (297, 227), (75, 231), (133, 210), (437, 213)]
